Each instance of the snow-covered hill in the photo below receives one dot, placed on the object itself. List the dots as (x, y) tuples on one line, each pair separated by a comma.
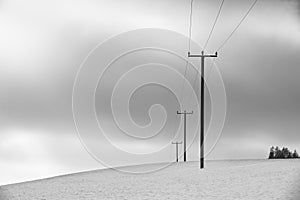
[(243, 179)]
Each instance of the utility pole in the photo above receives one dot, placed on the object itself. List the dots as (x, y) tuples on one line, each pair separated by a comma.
[(184, 132), (176, 149), (202, 56)]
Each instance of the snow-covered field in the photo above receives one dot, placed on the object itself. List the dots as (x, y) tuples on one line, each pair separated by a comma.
[(244, 179)]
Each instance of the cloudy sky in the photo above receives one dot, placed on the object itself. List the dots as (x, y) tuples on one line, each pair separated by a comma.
[(43, 44)]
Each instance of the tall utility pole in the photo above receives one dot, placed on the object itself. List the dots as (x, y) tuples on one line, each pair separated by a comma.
[(184, 133), (202, 56), (176, 149)]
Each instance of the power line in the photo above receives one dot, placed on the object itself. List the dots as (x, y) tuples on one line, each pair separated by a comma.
[(214, 24), (191, 23), (238, 25), (210, 34), (241, 21), (190, 39), (252, 6)]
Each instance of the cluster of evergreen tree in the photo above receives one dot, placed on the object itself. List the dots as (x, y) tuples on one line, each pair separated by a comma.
[(276, 153)]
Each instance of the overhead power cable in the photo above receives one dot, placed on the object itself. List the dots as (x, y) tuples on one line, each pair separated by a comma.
[(238, 25), (214, 24), (190, 40)]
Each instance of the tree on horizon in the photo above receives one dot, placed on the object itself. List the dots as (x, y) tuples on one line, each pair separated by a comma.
[(284, 153), (295, 154), (272, 153)]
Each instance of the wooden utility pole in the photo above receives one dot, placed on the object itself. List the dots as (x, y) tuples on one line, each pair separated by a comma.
[(202, 56), (184, 132), (176, 149)]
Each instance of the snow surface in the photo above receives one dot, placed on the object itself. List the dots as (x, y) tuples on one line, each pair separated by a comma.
[(236, 179)]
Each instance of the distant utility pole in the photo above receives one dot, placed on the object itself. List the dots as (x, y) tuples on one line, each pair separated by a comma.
[(176, 149), (202, 56), (184, 129)]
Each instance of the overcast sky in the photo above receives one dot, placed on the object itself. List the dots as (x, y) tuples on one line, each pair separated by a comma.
[(43, 44)]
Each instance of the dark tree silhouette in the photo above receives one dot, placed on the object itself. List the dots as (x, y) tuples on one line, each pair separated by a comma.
[(285, 152), (295, 154), (272, 153), (290, 154), (277, 153)]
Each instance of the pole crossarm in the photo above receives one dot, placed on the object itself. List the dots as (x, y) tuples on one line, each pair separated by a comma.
[(202, 55), (176, 142), (188, 113)]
